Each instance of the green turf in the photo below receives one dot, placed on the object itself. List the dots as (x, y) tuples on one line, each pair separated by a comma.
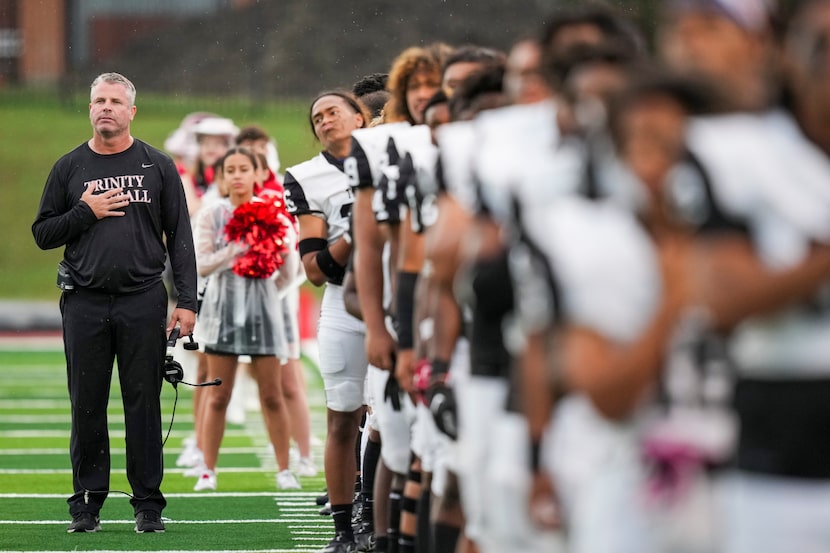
[(35, 476)]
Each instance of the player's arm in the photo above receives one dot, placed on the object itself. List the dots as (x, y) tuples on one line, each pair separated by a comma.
[(735, 284), (442, 249), (322, 262), (350, 296), (537, 391), (409, 264), (380, 346)]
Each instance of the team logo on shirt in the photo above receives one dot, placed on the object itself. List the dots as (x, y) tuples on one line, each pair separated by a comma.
[(132, 184)]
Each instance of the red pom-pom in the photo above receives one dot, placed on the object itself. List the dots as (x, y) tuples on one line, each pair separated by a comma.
[(260, 226)]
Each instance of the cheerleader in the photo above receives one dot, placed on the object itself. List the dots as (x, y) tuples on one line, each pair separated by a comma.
[(240, 314)]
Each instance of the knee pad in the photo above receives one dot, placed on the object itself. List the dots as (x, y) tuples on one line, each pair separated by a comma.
[(344, 395), (395, 457)]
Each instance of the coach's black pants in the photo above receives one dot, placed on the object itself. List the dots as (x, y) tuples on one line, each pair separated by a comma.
[(97, 329)]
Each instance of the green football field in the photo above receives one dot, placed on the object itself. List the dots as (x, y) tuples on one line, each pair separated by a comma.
[(246, 513)]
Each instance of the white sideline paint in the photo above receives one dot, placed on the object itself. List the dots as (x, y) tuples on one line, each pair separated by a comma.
[(166, 521), (276, 495), (179, 470), (193, 550), (64, 419), (235, 433), (117, 451)]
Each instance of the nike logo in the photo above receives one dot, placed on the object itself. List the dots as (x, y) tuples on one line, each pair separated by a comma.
[(146, 165)]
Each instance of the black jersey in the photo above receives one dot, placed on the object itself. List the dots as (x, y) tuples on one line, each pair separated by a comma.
[(119, 255)]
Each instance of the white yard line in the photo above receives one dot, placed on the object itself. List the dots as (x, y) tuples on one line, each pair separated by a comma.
[(122, 451), (298, 495), (166, 521), (179, 470), (64, 419), (232, 433), (293, 550), (312, 527)]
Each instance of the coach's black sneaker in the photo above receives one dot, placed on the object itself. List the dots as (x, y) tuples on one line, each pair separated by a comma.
[(322, 499), (84, 522), (340, 544), (148, 521)]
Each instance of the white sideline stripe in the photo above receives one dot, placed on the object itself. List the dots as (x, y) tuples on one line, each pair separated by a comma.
[(34, 404), (57, 403), (116, 450), (236, 433), (276, 495), (37, 343), (189, 551), (222, 470), (65, 419), (166, 521)]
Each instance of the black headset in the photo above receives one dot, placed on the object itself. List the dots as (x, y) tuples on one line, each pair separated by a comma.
[(172, 371)]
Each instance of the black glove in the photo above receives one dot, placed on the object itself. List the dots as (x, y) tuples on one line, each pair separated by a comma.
[(392, 392), (441, 401)]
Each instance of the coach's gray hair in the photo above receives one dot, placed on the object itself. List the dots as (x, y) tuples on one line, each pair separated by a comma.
[(115, 78)]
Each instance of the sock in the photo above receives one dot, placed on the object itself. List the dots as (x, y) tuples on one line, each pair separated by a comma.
[(406, 543), (358, 444), (370, 463), (381, 544), (394, 520), (444, 538), (342, 515), (424, 527)]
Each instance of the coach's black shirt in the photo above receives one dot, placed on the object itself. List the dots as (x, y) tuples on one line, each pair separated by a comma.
[(119, 255)]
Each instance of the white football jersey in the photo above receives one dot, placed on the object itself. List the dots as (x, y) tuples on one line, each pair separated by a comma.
[(369, 155), (600, 269), (421, 185), (763, 168), (509, 139), (319, 187), (457, 143)]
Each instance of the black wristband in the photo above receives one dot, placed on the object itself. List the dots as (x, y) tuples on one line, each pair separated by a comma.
[(535, 455), (406, 309), (308, 245), (440, 368), (333, 270)]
